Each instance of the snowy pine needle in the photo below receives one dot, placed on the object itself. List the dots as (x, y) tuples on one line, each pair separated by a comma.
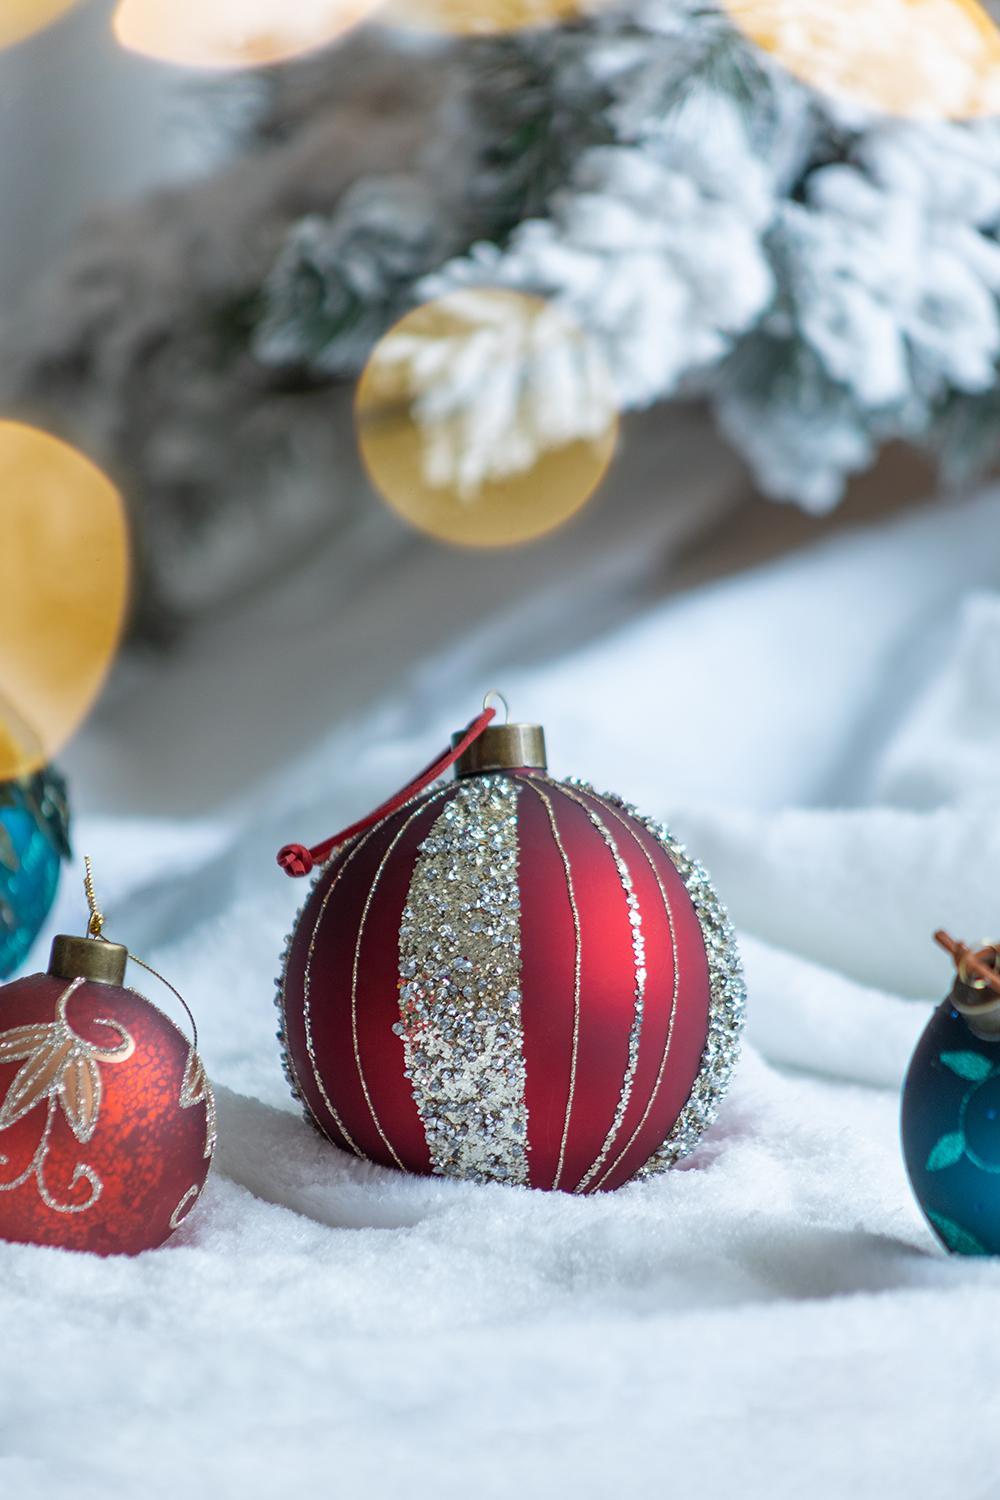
[(827, 278)]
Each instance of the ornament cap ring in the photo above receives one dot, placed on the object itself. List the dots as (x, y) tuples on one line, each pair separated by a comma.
[(503, 747), (93, 959), (495, 693), (976, 994)]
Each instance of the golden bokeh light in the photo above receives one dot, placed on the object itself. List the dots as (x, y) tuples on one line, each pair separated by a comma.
[(64, 570), (485, 418), (20, 19), (481, 17), (917, 59), (234, 33)]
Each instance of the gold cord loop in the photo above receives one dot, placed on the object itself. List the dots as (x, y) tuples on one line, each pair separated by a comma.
[(95, 929), (174, 991)]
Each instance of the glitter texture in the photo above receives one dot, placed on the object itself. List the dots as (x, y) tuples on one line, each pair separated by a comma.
[(460, 987), (346, 855), (287, 1064), (196, 1089), (612, 811), (399, 834), (58, 1068), (352, 850), (107, 1119), (639, 965), (577, 957), (727, 1010), (185, 1206)]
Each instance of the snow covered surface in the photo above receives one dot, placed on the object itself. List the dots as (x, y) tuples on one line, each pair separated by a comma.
[(774, 1320)]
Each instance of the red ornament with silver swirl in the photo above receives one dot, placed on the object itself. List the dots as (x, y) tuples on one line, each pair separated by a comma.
[(107, 1120), (509, 978)]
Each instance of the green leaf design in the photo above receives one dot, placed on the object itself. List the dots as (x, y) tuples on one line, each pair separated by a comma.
[(971, 1065), (946, 1152), (955, 1237)]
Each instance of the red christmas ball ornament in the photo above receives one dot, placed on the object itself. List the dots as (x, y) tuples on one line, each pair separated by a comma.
[(510, 978), (107, 1120)]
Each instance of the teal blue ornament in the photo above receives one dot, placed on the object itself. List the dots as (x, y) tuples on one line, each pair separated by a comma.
[(951, 1108), (34, 841)]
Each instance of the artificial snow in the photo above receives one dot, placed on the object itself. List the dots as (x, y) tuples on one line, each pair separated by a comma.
[(774, 1319)]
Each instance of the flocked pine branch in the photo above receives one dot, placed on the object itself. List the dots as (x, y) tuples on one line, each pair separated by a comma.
[(827, 280)]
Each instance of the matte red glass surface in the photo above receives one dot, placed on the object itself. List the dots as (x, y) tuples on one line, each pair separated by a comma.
[(147, 1151)]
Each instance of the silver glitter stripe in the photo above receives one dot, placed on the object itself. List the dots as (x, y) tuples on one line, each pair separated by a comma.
[(435, 796), (639, 967), (460, 986), (727, 991), (577, 961)]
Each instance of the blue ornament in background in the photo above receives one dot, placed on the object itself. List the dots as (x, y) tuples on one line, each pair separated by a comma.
[(34, 840), (951, 1108)]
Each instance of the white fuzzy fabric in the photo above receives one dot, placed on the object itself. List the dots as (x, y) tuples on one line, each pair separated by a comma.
[(774, 1320)]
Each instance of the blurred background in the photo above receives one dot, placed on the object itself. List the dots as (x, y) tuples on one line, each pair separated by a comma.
[(429, 347), (640, 360)]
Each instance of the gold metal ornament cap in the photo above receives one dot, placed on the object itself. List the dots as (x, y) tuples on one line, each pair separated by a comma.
[(976, 991), (503, 747), (983, 1019), (976, 999), (88, 958)]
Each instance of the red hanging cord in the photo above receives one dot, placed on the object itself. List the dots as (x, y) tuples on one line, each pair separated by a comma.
[(296, 859)]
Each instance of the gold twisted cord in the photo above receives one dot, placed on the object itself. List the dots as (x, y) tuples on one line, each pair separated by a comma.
[(95, 929)]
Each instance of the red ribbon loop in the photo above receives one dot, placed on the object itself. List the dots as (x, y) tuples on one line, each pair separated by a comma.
[(297, 860)]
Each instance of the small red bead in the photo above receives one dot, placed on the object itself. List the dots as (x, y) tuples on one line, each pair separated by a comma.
[(295, 860)]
